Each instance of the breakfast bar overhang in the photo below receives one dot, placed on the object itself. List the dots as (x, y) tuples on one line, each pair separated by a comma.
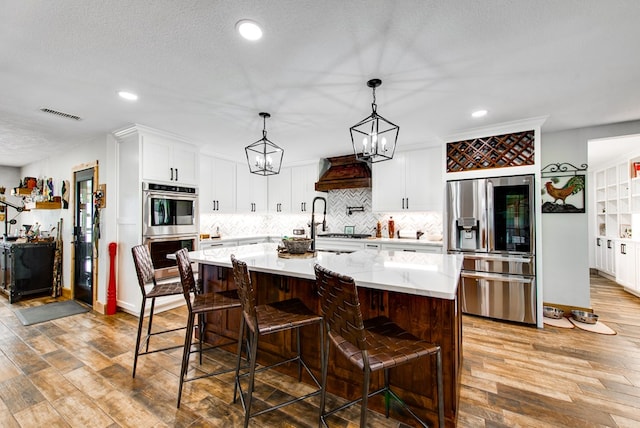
[(418, 291)]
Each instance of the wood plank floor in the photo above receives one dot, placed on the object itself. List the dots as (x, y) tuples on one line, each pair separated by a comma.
[(76, 372)]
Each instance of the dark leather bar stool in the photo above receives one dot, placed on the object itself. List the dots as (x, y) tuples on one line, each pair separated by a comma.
[(371, 345), (145, 272), (260, 320), (200, 305)]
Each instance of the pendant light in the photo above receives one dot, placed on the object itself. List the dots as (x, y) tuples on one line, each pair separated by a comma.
[(263, 156), (374, 138)]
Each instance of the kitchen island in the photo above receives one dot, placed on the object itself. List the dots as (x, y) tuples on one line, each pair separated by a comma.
[(418, 291)]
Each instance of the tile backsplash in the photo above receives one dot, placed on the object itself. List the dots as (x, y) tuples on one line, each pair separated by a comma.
[(252, 224)]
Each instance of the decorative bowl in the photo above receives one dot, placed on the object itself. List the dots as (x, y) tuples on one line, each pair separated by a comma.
[(551, 312), (585, 317), (297, 245)]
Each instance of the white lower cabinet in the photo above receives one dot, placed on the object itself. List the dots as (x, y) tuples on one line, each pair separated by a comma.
[(606, 256), (330, 244), (412, 248), (627, 265), (207, 245), (252, 241)]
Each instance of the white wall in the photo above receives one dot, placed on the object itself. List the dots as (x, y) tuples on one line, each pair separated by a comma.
[(568, 238), (60, 168)]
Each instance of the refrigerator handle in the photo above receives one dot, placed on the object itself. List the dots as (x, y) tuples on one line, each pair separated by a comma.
[(486, 232)]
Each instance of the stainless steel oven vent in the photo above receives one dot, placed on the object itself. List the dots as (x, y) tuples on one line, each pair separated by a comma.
[(61, 114)]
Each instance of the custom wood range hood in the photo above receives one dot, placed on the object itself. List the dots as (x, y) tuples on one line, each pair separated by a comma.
[(345, 172)]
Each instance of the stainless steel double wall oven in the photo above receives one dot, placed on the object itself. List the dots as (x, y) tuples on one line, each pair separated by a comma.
[(170, 222), (491, 221)]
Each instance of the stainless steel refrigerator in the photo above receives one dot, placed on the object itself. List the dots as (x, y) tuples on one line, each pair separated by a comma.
[(491, 221)]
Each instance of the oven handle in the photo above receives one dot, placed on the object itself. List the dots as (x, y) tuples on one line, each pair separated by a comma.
[(169, 195), (498, 258), (497, 277)]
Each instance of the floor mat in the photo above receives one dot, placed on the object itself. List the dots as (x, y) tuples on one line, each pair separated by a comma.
[(561, 322), (598, 327), (50, 311)]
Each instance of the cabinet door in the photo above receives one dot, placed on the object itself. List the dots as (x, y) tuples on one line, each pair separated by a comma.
[(624, 262), (610, 254), (600, 254), (424, 189), (205, 185), (636, 284), (303, 181), (279, 193), (251, 191), (388, 184), (184, 162), (224, 185), (156, 155), (166, 160)]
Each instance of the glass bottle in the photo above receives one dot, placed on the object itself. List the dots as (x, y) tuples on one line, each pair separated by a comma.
[(392, 227)]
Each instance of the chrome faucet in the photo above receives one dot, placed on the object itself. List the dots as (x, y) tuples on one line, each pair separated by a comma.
[(313, 220)]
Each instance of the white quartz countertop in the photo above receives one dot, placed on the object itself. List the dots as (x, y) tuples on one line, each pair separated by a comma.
[(401, 241), (423, 274)]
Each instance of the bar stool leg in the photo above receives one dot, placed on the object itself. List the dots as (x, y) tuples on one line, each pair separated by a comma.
[(365, 396), (324, 364), (387, 396), (299, 357), (201, 329), (153, 305), (137, 350), (185, 355), (252, 373), (240, 339), (440, 393)]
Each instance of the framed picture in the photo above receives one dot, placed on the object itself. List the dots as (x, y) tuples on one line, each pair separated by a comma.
[(349, 230), (563, 194)]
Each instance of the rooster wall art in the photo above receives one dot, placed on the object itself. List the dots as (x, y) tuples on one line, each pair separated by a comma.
[(563, 194)]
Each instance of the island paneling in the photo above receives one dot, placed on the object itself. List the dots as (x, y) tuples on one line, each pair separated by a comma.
[(435, 319)]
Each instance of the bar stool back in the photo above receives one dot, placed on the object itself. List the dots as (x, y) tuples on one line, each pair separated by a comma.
[(260, 320), (371, 345), (145, 273), (200, 304)]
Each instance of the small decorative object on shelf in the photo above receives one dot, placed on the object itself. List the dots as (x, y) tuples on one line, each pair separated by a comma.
[(625, 231), (636, 169)]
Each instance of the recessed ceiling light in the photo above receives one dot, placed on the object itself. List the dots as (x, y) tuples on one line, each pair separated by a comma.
[(479, 113), (130, 96), (248, 29)]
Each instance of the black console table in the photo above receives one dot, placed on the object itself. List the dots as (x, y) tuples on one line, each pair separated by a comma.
[(26, 268)]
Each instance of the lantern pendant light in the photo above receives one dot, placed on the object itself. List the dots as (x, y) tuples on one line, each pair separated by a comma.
[(263, 156), (374, 138)]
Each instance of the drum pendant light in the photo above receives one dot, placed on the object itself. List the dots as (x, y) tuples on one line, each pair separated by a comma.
[(374, 138), (263, 156)]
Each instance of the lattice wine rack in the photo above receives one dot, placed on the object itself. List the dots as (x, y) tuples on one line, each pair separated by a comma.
[(497, 151)]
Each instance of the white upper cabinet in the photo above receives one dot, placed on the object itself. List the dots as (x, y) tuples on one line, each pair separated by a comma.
[(411, 181), (251, 190), (280, 191), (168, 160), (303, 190), (217, 185)]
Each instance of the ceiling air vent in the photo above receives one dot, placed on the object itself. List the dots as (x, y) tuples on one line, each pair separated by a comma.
[(59, 113)]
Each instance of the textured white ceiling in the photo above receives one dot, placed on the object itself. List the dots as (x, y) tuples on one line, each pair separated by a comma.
[(575, 61)]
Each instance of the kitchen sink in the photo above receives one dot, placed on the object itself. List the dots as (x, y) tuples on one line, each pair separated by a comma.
[(344, 235)]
